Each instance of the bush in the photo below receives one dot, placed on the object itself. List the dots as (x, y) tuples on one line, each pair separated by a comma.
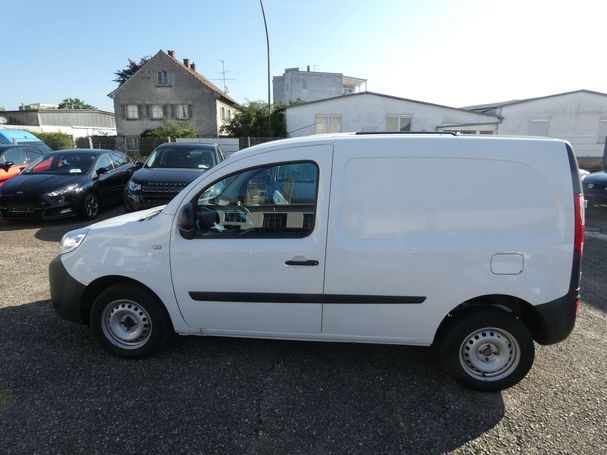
[(56, 141), (171, 129)]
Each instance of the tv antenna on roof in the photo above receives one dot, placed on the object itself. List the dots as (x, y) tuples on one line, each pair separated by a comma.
[(223, 73)]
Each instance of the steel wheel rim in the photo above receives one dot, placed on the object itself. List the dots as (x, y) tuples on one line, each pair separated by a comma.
[(91, 205), (489, 354), (126, 324)]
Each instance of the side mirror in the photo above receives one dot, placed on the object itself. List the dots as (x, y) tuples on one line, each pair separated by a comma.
[(102, 170), (138, 164), (206, 218), (7, 165), (186, 222)]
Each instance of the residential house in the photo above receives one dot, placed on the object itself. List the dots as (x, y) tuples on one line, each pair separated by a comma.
[(166, 88), (579, 117), (376, 112), (313, 85)]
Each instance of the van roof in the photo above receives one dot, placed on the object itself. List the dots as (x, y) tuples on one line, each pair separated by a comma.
[(333, 137)]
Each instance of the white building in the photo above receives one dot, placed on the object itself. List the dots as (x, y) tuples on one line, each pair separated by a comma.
[(313, 85), (579, 117), (374, 112)]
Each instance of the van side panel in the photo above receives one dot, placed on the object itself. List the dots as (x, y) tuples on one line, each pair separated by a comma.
[(429, 218)]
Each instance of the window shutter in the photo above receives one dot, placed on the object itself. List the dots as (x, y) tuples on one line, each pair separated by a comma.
[(123, 111), (148, 114), (172, 111), (140, 111), (190, 110), (159, 77), (165, 110)]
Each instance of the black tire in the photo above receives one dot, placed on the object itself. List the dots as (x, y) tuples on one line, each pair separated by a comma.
[(129, 321), (90, 206), (487, 349)]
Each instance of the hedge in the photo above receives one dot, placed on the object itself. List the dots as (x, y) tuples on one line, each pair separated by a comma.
[(56, 141)]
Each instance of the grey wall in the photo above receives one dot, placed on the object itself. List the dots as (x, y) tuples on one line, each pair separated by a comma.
[(574, 117), (142, 89), (307, 85)]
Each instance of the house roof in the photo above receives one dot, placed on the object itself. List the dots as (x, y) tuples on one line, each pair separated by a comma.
[(207, 83), (391, 97), (487, 107)]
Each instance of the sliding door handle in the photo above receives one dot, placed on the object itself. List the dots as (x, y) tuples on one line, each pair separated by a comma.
[(308, 262)]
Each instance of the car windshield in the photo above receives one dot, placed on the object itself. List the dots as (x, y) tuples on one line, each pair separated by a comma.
[(61, 163), (180, 157)]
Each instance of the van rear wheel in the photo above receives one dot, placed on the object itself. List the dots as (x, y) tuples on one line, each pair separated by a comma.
[(487, 349), (130, 321)]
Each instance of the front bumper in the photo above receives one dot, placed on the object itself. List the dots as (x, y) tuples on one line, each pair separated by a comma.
[(44, 210), (66, 292)]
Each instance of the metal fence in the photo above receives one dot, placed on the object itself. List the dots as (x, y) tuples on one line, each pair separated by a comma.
[(138, 147)]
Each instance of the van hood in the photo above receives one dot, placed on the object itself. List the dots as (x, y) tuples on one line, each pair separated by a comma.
[(140, 216)]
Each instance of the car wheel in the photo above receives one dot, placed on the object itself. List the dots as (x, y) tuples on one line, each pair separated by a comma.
[(487, 349), (130, 321), (90, 206)]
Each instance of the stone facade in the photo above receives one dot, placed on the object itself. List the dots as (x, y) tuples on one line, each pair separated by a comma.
[(167, 88)]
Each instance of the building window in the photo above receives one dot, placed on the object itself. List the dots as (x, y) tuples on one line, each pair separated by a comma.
[(223, 113), (538, 127), (304, 84), (396, 123), (183, 111), (132, 111), (132, 143), (602, 130), (229, 114), (164, 79), (157, 111), (328, 124)]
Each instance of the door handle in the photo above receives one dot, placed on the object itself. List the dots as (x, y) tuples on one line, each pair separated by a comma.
[(308, 262)]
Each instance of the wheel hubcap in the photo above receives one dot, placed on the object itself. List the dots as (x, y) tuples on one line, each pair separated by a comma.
[(91, 205), (126, 324), (489, 354)]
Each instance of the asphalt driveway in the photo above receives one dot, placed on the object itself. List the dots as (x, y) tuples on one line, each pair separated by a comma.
[(60, 393)]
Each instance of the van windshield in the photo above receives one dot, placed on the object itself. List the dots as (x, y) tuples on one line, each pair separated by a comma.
[(181, 158)]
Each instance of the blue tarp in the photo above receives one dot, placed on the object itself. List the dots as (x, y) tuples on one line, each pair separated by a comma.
[(16, 137)]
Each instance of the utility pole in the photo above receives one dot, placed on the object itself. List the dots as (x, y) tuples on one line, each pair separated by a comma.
[(268, 48)]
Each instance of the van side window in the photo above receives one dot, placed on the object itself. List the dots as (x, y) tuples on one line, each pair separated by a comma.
[(270, 201)]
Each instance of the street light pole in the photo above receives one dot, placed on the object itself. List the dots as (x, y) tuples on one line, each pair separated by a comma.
[(268, 48)]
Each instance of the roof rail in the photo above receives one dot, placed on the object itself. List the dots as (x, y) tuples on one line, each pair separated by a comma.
[(449, 133)]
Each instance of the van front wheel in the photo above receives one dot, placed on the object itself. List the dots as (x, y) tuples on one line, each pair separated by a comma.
[(129, 321), (487, 349)]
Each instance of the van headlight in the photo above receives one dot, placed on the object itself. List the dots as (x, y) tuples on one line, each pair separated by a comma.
[(72, 240)]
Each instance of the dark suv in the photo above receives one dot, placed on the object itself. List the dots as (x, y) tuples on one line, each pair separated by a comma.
[(169, 169)]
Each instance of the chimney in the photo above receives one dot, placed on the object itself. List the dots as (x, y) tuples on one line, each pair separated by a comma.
[(193, 66), (171, 54), (186, 62), (308, 68)]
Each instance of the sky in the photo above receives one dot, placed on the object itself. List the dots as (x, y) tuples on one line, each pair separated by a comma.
[(451, 52)]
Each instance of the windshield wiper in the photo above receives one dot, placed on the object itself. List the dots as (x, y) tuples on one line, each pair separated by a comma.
[(150, 215)]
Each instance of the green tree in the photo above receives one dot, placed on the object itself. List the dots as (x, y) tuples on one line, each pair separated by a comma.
[(251, 119), (131, 68), (74, 103), (171, 129)]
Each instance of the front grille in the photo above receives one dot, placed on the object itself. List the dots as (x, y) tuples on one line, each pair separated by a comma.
[(163, 187), (19, 204)]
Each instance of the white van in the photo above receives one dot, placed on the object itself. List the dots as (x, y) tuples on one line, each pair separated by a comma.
[(472, 244)]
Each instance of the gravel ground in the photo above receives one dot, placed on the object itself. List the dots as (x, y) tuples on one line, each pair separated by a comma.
[(60, 393)]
